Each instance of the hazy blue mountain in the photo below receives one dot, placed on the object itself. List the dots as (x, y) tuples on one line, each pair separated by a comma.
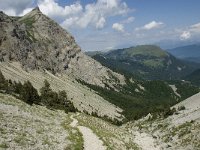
[(146, 61), (189, 52), (194, 77), (170, 44)]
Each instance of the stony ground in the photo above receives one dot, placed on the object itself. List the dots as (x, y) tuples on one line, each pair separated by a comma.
[(36, 127), (180, 131), (82, 97), (25, 127)]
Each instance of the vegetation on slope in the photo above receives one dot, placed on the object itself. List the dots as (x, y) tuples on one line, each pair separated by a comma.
[(189, 52), (147, 62), (194, 77), (148, 50), (29, 94), (142, 97), (26, 126)]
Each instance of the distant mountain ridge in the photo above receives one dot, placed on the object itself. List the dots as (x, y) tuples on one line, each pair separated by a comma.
[(146, 61), (189, 52), (194, 77), (36, 48)]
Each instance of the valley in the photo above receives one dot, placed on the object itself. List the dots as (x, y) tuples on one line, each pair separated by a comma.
[(55, 129), (147, 62), (55, 96)]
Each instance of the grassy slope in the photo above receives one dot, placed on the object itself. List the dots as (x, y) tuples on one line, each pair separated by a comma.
[(146, 61), (82, 97), (194, 77), (142, 97), (179, 131), (24, 126), (149, 50), (36, 127), (114, 137)]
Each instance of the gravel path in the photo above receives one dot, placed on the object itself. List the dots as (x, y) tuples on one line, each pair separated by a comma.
[(74, 122), (91, 140), (145, 141)]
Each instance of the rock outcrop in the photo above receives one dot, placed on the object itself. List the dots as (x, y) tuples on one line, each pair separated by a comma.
[(37, 42)]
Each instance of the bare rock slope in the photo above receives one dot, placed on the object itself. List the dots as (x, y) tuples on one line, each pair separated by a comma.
[(180, 131), (82, 97), (37, 42), (35, 48)]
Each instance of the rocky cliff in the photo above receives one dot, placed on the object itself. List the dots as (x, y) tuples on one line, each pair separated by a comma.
[(37, 42)]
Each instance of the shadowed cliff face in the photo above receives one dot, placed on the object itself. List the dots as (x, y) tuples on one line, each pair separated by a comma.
[(37, 42)]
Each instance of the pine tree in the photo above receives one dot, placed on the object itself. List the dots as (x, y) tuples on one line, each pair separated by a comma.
[(2, 82), (17, 87), (48, 97), (29, 94)]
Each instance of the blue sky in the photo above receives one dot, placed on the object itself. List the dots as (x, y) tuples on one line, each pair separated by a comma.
[(110, 24)]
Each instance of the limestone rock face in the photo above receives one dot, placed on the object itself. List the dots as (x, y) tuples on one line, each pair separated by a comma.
[(37, 42)]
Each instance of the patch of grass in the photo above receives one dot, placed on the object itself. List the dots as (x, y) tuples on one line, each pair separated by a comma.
[(4, 145), (28, 21), (181, 108), (154, 63), (46, 141), (31, 36), (75, 136), (21, 139), (112, 136), (40, 131), (2, 131)]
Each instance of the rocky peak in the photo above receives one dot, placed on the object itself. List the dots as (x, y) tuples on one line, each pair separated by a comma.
[(4, 17), (38, 42), (36, 9), (34, 13)]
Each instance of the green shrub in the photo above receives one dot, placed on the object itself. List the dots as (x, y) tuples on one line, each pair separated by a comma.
[(181, 108), (29, 94), (55, 100)]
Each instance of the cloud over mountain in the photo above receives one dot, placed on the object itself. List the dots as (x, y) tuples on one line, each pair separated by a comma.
[(118, 27), (96, 14), (151, 25), (192, 30)]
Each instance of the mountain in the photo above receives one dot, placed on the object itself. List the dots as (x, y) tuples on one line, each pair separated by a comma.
[(189, 52), (178, 131), (146, 61), (172, 43), (194, 77), (37, 42), (36, 48)]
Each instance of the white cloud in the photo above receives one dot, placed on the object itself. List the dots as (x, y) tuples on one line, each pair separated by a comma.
[(96, 14), (118, 27), (25, 11), (185, 35), (53, 9), (128, 20), (151, 25), (69, 22), (14, 7), (195, 28), (70, 16), (10, 12), (190, 32), (101, 23)]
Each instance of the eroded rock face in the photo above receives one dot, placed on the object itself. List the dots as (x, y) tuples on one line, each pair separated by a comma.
[(37, 42)]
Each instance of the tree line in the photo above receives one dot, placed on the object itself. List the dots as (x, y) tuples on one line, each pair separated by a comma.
[(27, 93)]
